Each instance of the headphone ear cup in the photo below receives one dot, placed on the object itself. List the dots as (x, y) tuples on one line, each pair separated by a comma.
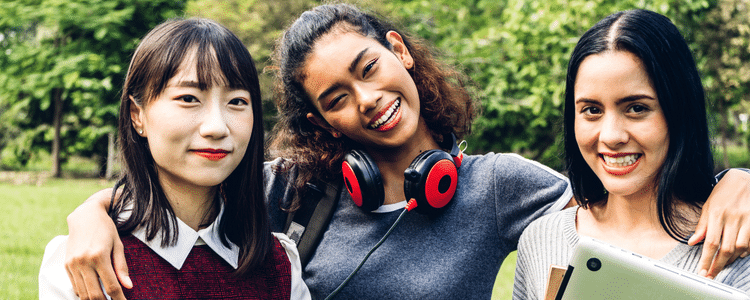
[(431, 179), (363, 181)]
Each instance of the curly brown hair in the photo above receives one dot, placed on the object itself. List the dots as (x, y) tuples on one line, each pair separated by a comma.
[(447, 107)]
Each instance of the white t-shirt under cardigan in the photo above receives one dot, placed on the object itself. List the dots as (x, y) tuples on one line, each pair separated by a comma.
[(552, 238)]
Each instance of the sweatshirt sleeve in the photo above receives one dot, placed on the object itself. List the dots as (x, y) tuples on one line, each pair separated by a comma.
[(524, 191)]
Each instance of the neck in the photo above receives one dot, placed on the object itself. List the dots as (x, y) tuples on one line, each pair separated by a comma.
[(630, 222), (393, 162), (630, 213), (192, 204)]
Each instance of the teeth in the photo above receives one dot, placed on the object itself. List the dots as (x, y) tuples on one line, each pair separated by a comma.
[(622, 161), (387, 115)]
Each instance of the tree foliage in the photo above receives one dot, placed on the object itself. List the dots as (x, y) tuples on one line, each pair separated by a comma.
[(723, 53), (61, 63), (515, 53)]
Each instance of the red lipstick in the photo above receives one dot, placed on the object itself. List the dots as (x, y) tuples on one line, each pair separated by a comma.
[(619, 171), (212, 154), (392, 121)]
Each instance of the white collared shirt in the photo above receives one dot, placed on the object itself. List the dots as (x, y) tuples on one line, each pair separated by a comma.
[(54, 282)]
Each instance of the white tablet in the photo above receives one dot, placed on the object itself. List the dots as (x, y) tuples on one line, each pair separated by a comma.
[(601, 271)]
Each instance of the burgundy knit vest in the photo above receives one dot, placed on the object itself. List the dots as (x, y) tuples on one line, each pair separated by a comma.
[(204, 275)]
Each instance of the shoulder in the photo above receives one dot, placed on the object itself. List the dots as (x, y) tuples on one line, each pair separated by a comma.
[(287, 244), (299, 288), (53, 279), (511, 166), (278, 167), (551, 226)]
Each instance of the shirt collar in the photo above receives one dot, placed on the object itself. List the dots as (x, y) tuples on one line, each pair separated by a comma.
[(186, 239)]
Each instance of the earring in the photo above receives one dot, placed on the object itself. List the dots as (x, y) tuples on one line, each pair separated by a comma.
[(336, 134), (140, 131)]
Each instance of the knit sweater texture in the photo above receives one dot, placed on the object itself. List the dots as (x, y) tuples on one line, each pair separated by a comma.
[(204, 275)]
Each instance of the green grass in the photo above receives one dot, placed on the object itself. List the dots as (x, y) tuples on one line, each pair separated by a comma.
[(32, 216), (504, 282)]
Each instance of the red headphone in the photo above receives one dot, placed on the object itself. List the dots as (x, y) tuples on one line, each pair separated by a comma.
[(431, 178)]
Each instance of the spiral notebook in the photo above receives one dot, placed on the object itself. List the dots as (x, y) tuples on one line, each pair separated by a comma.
[(598, 270)]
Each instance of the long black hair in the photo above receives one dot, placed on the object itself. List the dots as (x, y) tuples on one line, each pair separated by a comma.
[(687, 173), (220, 58)]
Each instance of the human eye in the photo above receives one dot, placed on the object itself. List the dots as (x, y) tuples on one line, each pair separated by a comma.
[(591, 110), (187, 98), (239, 101), (369, 66), (638, 109), (332, 104)]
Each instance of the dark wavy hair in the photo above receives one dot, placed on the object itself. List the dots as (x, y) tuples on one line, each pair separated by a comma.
[(446, 106), (686, 175), (220, 58)]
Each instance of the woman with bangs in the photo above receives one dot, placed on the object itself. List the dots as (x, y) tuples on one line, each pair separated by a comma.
[(358, 94), (190, 213)]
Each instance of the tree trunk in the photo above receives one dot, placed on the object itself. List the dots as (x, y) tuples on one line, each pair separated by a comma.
[(57, 124), (110, 156)]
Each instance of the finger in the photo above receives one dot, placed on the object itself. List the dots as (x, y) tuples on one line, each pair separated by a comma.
[(725, 253), (121, 266), (743, 242), (700, 230), (711, 244), (91, 279), (73, 280), (109, 282), (83, 292)]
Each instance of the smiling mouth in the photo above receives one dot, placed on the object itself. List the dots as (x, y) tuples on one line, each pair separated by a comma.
[(385, 117), (620, 160), (212, 154)]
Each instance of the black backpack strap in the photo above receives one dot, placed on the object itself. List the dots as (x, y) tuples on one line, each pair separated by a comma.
[(306, 225)]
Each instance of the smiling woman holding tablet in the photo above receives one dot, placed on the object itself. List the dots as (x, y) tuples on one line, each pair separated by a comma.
[(637, 151)]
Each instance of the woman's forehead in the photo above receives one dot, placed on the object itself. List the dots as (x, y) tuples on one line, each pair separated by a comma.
[(211, 73)]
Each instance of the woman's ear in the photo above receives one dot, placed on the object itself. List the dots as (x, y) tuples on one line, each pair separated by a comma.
[(317, 121), (137, 117), (399, 48)]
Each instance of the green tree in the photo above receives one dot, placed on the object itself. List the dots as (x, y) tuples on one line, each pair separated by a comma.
[(723, 49), (516, 53), (60, 64)]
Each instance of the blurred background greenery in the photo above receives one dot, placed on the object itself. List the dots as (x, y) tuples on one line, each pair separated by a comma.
[(62, 64)]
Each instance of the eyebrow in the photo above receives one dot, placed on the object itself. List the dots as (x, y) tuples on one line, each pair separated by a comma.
[(630, 98), (195, 84), (352, 68), (186, 83)]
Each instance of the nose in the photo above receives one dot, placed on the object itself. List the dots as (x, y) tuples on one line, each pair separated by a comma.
[(367, 97), (613, 131), (214, 123)]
